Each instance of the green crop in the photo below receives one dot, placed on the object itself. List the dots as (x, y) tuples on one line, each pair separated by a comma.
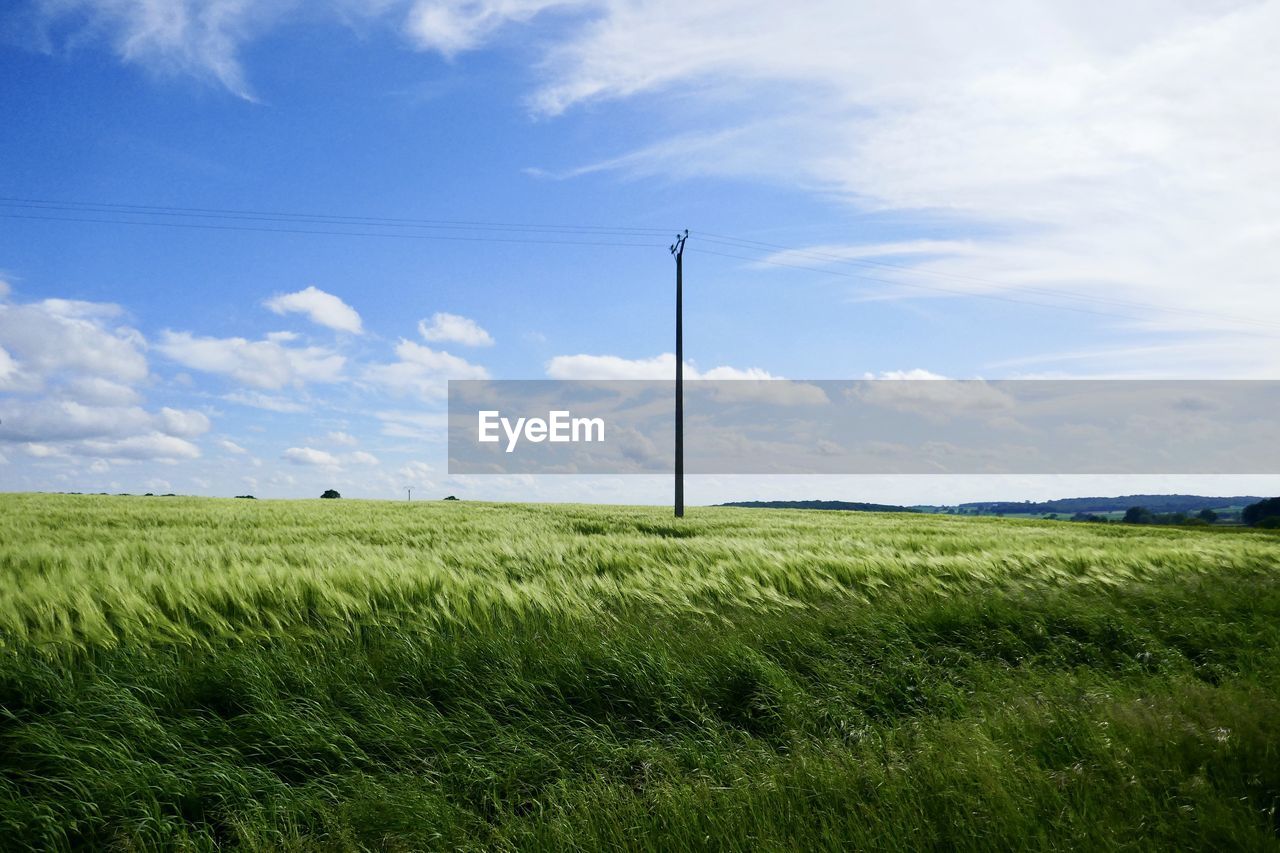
[(198, 674)]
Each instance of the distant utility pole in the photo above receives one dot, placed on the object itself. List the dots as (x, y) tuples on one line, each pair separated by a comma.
[(677, 249), (409, 493)]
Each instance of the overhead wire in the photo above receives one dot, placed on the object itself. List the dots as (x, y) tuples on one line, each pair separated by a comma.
[(551, 234)]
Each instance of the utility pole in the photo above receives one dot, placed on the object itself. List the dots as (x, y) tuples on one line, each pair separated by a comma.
[(409, 493), (677, 249)]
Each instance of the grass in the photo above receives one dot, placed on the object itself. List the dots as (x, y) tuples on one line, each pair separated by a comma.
[(329, 675)]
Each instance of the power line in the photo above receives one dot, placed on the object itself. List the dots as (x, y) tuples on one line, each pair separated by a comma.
[(314, 224), (331, 233), (317, 218)]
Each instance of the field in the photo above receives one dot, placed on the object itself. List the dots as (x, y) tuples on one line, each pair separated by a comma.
[(197, 674)]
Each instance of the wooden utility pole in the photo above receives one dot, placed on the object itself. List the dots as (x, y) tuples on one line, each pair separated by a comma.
[(677, 249)]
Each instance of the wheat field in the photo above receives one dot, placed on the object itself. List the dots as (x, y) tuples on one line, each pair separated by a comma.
[(182, 673)]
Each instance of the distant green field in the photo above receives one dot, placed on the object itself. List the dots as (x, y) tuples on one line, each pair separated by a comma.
[(199, 674)]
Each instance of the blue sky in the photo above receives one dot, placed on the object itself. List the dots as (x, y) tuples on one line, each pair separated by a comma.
[(1056, 190)]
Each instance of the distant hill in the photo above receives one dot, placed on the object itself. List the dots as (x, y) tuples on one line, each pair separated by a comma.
[(1158, 504), (1070, 506), (847, 506)]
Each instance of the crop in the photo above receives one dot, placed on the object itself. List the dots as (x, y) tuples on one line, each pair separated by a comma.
[(192, 674)]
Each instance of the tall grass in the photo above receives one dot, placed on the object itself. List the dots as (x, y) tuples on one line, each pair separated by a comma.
[(193, 674)]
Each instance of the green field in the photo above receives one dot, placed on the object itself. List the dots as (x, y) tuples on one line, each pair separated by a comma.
[(197, 674)]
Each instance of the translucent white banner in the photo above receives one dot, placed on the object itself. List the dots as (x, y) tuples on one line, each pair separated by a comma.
[(866, 427)]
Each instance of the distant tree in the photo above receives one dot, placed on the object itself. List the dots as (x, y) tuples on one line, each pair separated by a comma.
[(331, 493), (1255, 514), (246, 497), (1271, 522), (451, 498), (1207, 515), (1138, 515), (1088, 516)]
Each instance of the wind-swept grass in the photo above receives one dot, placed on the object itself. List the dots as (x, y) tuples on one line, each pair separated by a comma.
[(195, 674)]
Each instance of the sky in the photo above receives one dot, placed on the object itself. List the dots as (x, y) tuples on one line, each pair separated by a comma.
[(244, 245)]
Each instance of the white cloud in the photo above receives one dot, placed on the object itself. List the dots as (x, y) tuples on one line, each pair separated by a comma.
[(1072, 138), (183, 423), (310, 456), (360, 457), (450, 26), (41, 451), (417, 473), (4, 289), (914, 373), (155, 446), (659, 367), (46, 340), (262, 364), (269, 402), (230, 446), (99, 391), (342, 438), (457, 329), (8, 368), (196, 37), (71, 373), (422, 370), (322, 308), (429, 426)]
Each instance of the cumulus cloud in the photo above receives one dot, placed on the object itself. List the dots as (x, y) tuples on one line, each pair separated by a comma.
[(100, 391), (321, 308), (343, 438), (360, 457), (428, 426), (422, 370), (313, 458), (310, 456), (44, 341), (267, 402), (183, 423), (417, 473), (78, 425), (659, 367), (263, 364), (153, 446), (8, 368), (70, 369), (454, 328)]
